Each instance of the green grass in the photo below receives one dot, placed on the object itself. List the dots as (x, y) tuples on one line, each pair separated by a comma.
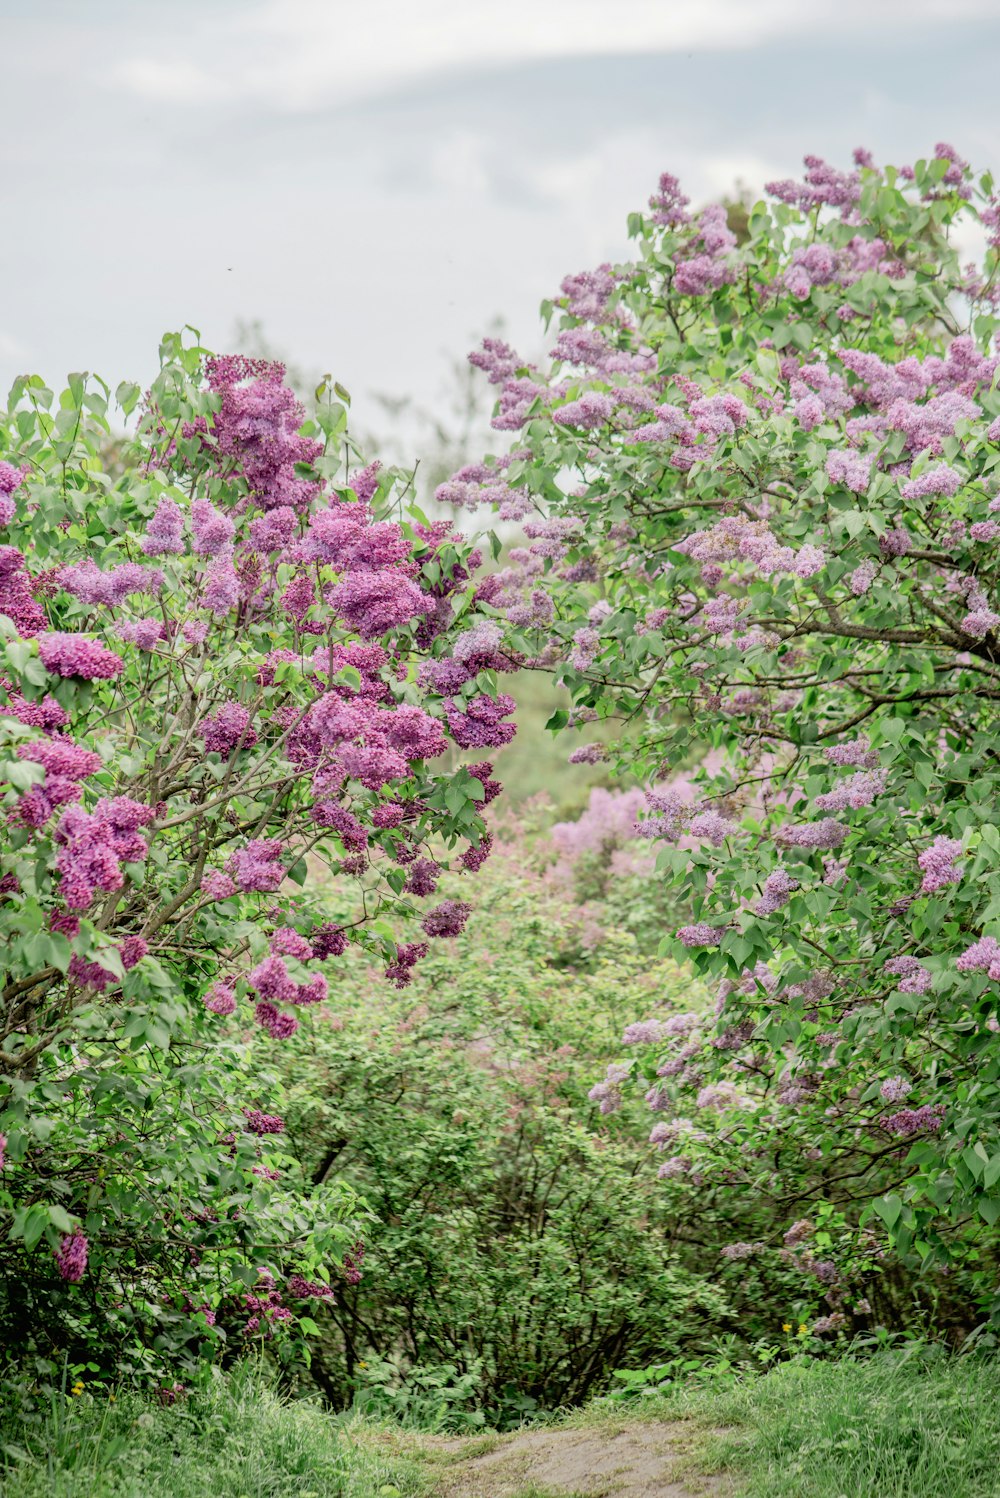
[(895, 1425), (890, 1426), (237, 1441)]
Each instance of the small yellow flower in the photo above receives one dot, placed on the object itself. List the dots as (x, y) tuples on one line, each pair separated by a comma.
[(362, 1365), (77, 1388), (803, 1330), (786, 1326)]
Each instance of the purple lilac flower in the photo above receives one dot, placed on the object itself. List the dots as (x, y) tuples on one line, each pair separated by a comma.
[(854, 792), (75, 655), (911, 1121), (221, 591), (856, 752), (862, 578), (938, 864), (778, 886), (895, 1089), (262, 1123), (228, 729), (217, 885), (643, 1032), (221, 999), (914, 977), (71, 1257), (278, 1024), (447, 919), (713, 827), (257, 866), (824, 834), (87, 582), (213, 531), (982, 956), (164, 535), (939, 480), (701, 934), (852, 469), (287, 942)]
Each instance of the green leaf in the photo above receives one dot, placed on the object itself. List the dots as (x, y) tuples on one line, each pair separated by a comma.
[(889, 1209)]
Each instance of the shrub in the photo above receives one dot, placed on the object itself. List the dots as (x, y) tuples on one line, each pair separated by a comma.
[(222, 664), (758, 486), (519, 1251)]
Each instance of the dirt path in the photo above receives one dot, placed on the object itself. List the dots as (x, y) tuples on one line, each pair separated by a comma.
[(637, 1459)]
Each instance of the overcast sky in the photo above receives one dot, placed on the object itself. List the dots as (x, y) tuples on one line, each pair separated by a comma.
[(376, 180)]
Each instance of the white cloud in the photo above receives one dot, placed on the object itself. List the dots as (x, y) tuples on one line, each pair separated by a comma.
[(295, 55)]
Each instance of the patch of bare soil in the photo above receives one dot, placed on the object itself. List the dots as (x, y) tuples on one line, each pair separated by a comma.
[(635, 1461)]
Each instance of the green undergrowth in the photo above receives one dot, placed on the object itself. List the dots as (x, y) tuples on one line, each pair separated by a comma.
[(915, 1423), (238, 1439)]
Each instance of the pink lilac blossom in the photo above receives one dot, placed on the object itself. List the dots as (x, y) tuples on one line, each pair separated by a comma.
[(713, 827), (980, 622), (590, 411), (862, 578), (257, 866), (643, 1032), (278, 1024), (778, 887), (16, 600), (287, 942), (374, 602), (852, 469), (825, 834), (258, 426), (164, 535), (75, 655), (856, 752), (914, 977), (132, 950), (938, 864), (447, 919), (854, 792), (71, 1257), (221, 592), (11, 478), (408, 954), (217, 885), (701, 934), (982, 956), (939, 480), (146, 634), (221, 999), (480, 725), (87, 582), (213, 531), (91, 849), (228, 729), (608, 1094), (895, 1089), (262, 1123), (910, 1121)]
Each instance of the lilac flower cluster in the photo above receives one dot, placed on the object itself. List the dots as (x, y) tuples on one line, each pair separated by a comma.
[(71, 1257), (913, 976), (938, 864), (76, 655)]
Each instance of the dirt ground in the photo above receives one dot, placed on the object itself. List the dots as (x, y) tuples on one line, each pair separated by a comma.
[(637, 1460)]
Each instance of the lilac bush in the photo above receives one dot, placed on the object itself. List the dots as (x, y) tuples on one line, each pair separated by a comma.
[(758, 481), (225, 750)]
